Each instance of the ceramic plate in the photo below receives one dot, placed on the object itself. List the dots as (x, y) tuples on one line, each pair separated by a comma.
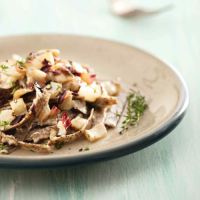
[(165, 90)]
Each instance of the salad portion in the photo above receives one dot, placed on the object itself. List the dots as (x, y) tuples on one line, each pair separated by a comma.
[(46, 101)]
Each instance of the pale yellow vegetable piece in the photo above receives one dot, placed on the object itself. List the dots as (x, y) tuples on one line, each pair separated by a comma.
[(18, 93), (62, 130), (96, 133), (67, 103), (48, 56), (18, 106), (90, 94), (78, 123), (55, 52), (6, 115)]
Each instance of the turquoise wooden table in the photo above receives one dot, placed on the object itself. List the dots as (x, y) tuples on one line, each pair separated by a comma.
[(169, 169)]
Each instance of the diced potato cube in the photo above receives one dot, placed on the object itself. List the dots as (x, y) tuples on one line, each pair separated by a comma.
[(36, 63), (48, 56), (96, 133), (55, 52), (7, 115), (29, 70), (89, 93), (110, 88), (62, 130), (78, 123), (18, 106), (38, 76), (67, 103)]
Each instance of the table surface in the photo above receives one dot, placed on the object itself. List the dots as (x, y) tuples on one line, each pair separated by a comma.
[(169, 169)]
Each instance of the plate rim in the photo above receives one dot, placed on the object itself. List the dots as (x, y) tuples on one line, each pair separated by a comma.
[(66, 161)]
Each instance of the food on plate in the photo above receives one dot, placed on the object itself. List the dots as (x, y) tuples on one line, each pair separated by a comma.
[(46, 101)]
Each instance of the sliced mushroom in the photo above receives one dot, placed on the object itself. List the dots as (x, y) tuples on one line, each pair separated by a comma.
[(105, 101), (72, 137), (41, 133), (22, 131), (9, 139), (54, 89), (98, 117), (45, 111), (47, 122), (39, 148), (33, 110), (18, 93), (8, 149)]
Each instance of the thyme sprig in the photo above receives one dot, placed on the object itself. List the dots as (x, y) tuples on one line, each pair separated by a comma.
[(135, 108), (58, 86), (21, 63), (14, 90), (4, 67), (28, 57), (4, 124)]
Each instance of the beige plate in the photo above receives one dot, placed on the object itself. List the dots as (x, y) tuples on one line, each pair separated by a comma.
[(165, 90)]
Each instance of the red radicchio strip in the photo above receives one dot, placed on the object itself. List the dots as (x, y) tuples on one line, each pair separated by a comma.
[(66, 121), (57, 72), (46, 66), (92, 78), (75, 94), (75, 73), (54, 111), (62, 96), (17, 119)]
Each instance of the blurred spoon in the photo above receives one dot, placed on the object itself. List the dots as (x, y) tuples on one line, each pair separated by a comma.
[(123, 8)]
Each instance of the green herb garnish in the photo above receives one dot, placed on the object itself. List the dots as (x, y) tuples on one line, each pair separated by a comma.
[(3, 147), (21, 63), (59, 86), (95, 90), (58, 145), (87, 148), (4, 124), (28, 57), (12, 82), (0, 111), (32, 150), (14, 90), (43, 145), (4, 67), (134, 111), (69, 148), (117, 114)]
